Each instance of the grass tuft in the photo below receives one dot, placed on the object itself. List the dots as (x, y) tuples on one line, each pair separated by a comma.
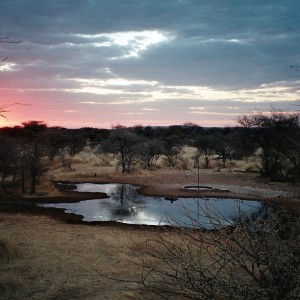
[(8, 250)]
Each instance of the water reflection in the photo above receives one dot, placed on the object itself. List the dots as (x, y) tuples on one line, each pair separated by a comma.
[(123, 200), (124, 204)]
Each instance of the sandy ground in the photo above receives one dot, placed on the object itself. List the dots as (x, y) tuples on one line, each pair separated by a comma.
[(55, 259), (165, 182)]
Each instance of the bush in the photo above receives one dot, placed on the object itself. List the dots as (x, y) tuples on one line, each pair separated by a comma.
[(254, 258)]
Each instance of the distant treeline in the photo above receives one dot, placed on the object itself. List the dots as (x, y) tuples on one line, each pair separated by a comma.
[(26, 151)]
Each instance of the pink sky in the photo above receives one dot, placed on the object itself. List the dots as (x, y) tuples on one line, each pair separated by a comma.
[(77, 68)]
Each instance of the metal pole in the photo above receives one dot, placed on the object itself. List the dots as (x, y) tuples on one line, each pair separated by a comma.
[(198, 165)]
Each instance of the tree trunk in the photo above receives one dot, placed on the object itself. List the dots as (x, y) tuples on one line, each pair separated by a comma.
[(123, 162), (1, 185), (23, 180), (33, 183)]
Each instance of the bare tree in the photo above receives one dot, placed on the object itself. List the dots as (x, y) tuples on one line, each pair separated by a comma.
[(8, 161), (32, 152), (296, 69), (255, 257), (277, 134), (3, 107), (56, 142), (206, 147), (149, 152), (4, 111), (7, 40), (224, 148), (124, 143), (74, 144), (191, 129), (172, 150), (33, 161)]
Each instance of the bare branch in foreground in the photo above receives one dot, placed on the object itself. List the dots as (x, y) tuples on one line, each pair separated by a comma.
[(258, 257), (3, 109), (8, 40)]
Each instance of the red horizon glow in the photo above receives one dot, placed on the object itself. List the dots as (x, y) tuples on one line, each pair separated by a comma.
[(20, 112)]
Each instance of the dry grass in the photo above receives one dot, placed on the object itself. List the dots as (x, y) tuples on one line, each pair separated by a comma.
[(86, 157), (89, 156), (185, 162), (87, 164), (8, 251), (49, 259), (61, 261)]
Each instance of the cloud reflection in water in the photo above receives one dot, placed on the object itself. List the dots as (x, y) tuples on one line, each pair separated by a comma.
[(125, 204)]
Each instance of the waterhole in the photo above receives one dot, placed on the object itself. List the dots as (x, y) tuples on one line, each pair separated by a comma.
[(125, 204)]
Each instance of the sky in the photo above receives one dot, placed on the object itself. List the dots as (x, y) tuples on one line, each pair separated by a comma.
[(99, 63)]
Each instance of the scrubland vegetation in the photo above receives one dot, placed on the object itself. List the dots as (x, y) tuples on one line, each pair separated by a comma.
[(257, 257), (28, 151)]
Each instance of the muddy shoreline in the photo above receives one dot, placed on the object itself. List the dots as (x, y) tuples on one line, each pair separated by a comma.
[(27, 205), (167, 183)]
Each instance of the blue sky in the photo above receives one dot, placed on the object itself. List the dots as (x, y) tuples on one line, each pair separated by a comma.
[(98, 63)]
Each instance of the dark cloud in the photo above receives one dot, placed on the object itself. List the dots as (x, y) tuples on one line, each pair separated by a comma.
[(233, 44), (221, 45)]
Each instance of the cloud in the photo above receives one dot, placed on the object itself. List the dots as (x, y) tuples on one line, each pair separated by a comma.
[(7, 67), (130, 43), (192, 43), (171, 55), (150, 109)]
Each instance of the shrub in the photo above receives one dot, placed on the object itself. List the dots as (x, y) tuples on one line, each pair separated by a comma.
[(256, 257)]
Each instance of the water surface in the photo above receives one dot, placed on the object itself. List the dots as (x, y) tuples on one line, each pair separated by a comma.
[(125, 204)]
